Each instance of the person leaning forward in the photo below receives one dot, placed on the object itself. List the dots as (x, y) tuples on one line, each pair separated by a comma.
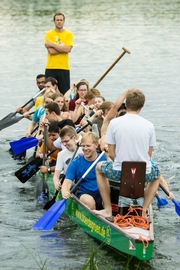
[(88, 191), (59, 43), (130, 138)]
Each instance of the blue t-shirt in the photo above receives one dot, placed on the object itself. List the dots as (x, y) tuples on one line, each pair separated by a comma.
[(76, 170)]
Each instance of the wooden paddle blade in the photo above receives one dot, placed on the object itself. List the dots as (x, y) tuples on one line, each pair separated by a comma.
[(48, 220), (22, 145), (28, 170), (177, 206), (10, 121), (161, 202)]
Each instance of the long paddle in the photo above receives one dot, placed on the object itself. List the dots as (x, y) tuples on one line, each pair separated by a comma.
[(11, 121), (177, 205), (30, 169), (51, 202), (12, 115), (42, 193), (115, 62), (86, 108), (48, 220)]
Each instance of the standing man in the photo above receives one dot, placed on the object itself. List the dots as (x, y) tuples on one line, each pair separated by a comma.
[(130, 138), (59, 43)]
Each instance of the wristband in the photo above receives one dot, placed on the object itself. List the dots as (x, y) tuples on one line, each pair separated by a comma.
[(49, 170)]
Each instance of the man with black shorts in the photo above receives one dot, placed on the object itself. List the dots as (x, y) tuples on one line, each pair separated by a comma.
[(59, 43)]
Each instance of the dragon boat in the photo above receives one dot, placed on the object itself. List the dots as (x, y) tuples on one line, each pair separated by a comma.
[(131, 239)]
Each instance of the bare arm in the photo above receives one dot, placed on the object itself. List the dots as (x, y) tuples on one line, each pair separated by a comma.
[(112, 151), (112, 112), (54, 48), (76, 113), (30, 128), (66, 188), (56, 180), (150, 151)]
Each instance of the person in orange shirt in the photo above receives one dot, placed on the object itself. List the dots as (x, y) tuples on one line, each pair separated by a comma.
[(53, 133)]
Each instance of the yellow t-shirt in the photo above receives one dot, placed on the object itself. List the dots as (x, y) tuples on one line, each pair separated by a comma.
[(38, 102), (61, 60)]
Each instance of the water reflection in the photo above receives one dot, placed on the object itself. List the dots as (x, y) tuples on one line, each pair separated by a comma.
[(150, 30)]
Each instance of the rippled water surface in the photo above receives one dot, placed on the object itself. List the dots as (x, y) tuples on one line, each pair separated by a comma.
[(150, 30)]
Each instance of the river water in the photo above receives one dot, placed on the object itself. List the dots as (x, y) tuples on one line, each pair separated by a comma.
[(150, 30)]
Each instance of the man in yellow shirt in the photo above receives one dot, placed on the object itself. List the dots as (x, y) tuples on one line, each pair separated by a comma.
[(59, 43)]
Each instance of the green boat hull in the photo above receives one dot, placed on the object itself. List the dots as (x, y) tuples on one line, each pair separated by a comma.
[(104, 230)]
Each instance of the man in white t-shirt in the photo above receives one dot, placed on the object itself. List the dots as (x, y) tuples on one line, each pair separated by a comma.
[(69, 139), (130, 138)]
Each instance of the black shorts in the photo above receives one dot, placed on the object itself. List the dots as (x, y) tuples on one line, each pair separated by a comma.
[(96, 197), (62, 76)]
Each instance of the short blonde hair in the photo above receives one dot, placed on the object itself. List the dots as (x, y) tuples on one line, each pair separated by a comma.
[(67, 131), (94, 137), (48, 91)]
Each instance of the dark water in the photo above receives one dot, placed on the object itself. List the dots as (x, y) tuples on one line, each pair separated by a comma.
[(150, 30)]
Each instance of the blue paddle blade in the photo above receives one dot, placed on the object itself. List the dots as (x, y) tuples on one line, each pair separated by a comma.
[(177, 206), (48, 220), (23, 144), (161, 202)]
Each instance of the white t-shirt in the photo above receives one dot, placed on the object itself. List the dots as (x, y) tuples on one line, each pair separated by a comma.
[(132, 135), (64, 157)]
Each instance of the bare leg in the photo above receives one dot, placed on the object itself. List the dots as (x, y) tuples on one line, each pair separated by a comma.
[(104, 189), (149, 193), (88, 200)]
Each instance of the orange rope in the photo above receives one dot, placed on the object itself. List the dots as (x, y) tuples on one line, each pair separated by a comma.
[(132, 221), (144, 241)]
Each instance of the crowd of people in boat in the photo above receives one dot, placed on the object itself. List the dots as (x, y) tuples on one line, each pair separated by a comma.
[(81, 124)]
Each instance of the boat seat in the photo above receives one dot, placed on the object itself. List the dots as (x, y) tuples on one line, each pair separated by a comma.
[(132, 179), (131, 186)]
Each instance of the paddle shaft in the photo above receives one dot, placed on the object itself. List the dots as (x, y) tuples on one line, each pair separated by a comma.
[(92, 109), (36, 95), (85, 126), (44, 150), (51, 202), (115, 62), (165, 191)]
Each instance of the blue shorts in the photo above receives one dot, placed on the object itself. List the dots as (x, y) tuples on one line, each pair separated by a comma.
[(108, 171)]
